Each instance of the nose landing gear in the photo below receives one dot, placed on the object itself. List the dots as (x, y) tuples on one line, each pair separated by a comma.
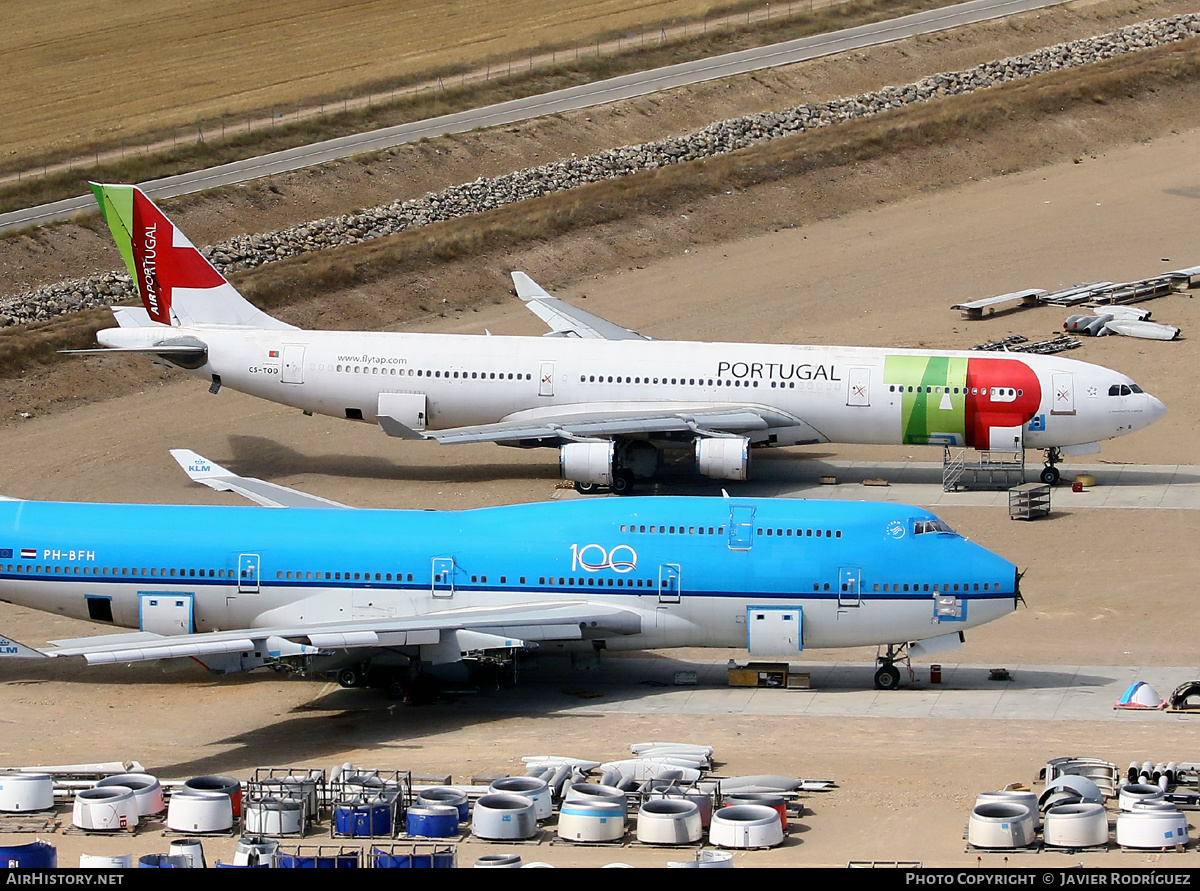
[(1050, 474)]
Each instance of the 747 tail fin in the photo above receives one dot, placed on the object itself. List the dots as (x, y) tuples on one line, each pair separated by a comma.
[(177, 284)]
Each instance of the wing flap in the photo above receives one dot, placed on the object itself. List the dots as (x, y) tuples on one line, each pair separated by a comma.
[(517, 623), (623, 419)]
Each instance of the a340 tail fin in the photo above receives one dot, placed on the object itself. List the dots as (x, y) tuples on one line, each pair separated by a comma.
[(177, 284)]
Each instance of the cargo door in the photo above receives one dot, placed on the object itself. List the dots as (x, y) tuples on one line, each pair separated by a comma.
[(165, 612), (775, 630)]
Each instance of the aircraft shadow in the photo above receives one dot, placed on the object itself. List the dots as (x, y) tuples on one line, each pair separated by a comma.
[(258, 456)]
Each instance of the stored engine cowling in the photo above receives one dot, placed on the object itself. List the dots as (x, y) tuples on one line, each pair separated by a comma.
[(724, 458), (588, 462)]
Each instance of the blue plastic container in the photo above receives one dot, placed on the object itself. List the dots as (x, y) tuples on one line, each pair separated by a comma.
[(35, 855)]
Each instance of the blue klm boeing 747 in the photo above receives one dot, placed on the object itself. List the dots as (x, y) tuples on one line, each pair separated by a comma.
[(386, 596)]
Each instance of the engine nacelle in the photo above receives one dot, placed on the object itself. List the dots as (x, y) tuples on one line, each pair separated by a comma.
[(724, 458), (588, 462)]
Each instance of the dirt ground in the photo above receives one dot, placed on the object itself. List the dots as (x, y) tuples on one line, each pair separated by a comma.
[(1103, 587)]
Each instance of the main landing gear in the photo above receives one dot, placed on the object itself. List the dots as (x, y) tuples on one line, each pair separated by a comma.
[(887, 676), (1050, 474), (622, 484)]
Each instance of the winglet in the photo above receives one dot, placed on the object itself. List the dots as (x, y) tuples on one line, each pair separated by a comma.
[(11, 649), (527, 288), (208, 473), (564, 319)]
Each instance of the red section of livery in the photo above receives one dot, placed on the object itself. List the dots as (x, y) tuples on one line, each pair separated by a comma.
[(161, 266), (985, 410)]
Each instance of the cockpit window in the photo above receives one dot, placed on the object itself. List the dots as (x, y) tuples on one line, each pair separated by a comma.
[(1123, 390), (1135, 388), (920, 527)]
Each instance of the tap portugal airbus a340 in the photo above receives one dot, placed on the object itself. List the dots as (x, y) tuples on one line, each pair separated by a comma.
[(609, 399), (387, 596)]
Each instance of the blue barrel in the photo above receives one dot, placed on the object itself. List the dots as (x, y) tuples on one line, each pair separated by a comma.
[(35, 855), (363, 819), (432, 821), (412, 859), (316, 861)]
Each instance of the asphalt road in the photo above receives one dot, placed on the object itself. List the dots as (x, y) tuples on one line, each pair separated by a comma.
[(573, 98)]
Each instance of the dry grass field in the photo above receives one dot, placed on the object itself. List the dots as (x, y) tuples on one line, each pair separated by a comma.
[(82, 71)]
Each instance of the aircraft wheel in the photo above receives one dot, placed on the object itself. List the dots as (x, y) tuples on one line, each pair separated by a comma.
[(586, 488), (1050, 476), (395, 688), (350, 677), (887, 678), (622, 483)]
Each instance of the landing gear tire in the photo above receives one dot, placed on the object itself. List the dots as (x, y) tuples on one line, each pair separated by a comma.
[(395, 688), (350, 677), (622, 483), (1050, 476), (887, 678), (586, 488)]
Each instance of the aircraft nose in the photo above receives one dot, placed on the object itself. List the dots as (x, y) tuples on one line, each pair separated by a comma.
[(1154, 409)]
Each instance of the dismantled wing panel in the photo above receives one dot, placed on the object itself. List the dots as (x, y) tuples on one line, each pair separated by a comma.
[(213, 475), (624, 419), (564, 319), (513, 625)]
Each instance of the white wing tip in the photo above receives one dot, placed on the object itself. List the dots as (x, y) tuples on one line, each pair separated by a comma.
[(196, 466), (527, 288)]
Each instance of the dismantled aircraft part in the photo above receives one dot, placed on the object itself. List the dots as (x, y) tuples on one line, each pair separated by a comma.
[(1103, 773), (499, 861), (723, 458), (1152, 829), (591, 820), (1136, 793), (1077, 787), (537, 791), (669, 821), (273, 816), (147, 791), (745, 826), (191, 810), (1024, 797), (254, 850), (21, 792), (599, 792), (1000, 824), (447, 796), (773, 800), (1082, 825), (588, 463), (105, 808), (504, 817), (99, 861)]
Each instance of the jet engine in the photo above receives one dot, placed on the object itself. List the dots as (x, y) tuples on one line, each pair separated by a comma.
[(590, 463), (724, 458)]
